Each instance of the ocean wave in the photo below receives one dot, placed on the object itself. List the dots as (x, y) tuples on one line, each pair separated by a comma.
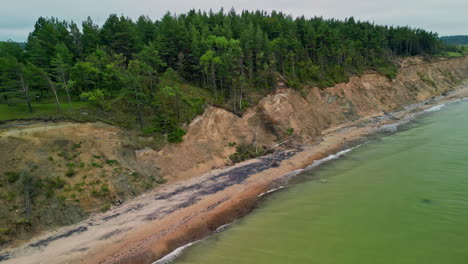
[(330, 157), (174, 254), (435, 108), (272, 190)]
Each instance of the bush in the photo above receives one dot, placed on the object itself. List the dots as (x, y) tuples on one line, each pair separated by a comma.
[(96, 165), (390, 71), (289, 132), (244, 152), (112, 162), (9, 196), (161, 124), (160, 180), (105, 208), (97, 98), (76, 146), (55, 183), (176, 135), (12, 176), (103, 191), (70, 172)]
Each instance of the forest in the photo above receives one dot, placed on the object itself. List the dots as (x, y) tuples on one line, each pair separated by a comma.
[(457, 40), (156, 75)]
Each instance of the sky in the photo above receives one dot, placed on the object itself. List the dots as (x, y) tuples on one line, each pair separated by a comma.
[(449, 17)]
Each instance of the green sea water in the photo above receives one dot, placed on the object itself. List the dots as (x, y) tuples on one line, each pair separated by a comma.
[(402, 198)]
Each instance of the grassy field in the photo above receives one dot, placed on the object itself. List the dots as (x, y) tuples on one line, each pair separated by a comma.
[(39, 109), (454, 54)]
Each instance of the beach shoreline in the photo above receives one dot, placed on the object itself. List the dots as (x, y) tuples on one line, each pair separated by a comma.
[(155, 224)]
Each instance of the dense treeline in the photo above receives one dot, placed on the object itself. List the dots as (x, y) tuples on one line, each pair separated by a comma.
[(144, 66), (459, 39)]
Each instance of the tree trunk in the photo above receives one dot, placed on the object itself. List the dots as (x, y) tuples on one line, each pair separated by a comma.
[(213, 75), (26, 91), (241, 63), (293, 66), (177, 98), (53, 89), (66, 89), (140, 118), (282, 66)]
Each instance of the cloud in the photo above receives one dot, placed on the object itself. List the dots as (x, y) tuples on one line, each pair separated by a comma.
[(448, 17)]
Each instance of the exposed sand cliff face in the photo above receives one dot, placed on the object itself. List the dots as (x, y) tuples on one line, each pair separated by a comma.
[(309, 112)]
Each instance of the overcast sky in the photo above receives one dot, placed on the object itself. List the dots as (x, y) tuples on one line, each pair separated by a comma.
[(449, 17)]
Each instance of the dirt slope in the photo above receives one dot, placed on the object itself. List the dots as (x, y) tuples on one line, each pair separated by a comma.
[(54, 174)]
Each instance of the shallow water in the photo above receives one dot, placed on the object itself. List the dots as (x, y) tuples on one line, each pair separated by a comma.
[(399, 199)]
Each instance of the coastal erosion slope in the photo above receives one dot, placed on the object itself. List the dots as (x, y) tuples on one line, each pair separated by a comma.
[(308, 112), (199, 197)]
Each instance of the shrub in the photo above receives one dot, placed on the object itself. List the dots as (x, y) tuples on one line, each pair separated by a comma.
[(105, 208), (96, 97), (111, 162), (79, 187), (95, 164), (9, 196), (55, 183), (161, 124), (289, 132), (176, 135), (135, 175), (244, 152), (12, 176), (103, 191), (160, 180), (70, 172), (49, 193), (390, 71), (196, 104), (76, 146)]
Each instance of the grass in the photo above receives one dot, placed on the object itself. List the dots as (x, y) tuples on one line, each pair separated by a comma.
[(452, 54), (20, 110)]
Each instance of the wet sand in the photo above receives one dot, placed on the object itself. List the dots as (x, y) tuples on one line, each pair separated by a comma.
[(152, 225)]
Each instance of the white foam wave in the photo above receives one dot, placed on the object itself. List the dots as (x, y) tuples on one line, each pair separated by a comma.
[(435, 108), (331, 157), (272, 190), (224, 227), (174, 254), (394, 127)]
